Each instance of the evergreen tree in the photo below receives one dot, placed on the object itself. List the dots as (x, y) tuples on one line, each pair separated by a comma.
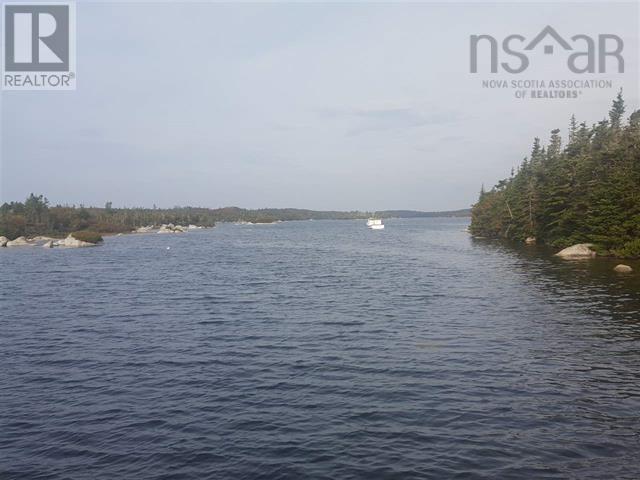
[(617, 111), (588, 191)]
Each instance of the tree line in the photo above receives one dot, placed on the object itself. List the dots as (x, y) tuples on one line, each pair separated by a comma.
[(587, 191), (35, 216)]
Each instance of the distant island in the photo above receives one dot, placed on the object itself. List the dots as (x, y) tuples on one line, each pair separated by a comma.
[(584, 192), (35, 216)]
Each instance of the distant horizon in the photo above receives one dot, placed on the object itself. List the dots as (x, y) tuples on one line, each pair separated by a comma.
[(155, 206)]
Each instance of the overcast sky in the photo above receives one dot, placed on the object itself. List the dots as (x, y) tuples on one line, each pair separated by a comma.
[(334, 106)]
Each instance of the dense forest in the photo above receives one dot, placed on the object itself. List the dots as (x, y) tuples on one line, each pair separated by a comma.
[(36, 217), (587, 191)]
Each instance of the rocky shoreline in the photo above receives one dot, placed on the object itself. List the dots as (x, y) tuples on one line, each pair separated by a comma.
[(167, 228), (584, 250), (579, 251), (46, 242), (71, 242)]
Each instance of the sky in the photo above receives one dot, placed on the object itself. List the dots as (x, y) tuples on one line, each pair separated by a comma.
[(327, 106)]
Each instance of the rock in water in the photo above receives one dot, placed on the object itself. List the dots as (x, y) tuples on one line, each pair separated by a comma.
[(18, 242), (72, 242), (40, 238), (530, 240), (49, 244), (581, 250), (3, 241), (623, 269), (171, 228), (146, 229)]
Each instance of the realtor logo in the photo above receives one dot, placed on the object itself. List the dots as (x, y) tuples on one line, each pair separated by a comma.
[(588, 54), (39, 46)]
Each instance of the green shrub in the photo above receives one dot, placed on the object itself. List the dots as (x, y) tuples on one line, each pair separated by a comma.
[(87, 236), (629, 250)]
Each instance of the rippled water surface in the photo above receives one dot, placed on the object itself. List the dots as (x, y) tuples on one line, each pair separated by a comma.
[(317, 350)]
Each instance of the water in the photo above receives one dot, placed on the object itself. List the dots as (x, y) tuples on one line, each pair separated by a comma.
[(317, 350)]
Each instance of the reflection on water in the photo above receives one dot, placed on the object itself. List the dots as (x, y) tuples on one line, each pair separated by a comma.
[(317, 350), (591, 283)]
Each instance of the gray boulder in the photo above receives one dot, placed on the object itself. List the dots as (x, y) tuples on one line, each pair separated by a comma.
[(581, 250), (18, 242), (623, 269), (147, 229), (71, 242), (171, 228)]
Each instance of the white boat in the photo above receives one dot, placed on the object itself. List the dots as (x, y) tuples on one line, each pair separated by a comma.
[(375, 224)]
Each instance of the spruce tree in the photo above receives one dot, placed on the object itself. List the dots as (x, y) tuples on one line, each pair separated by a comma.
[(586, 192)]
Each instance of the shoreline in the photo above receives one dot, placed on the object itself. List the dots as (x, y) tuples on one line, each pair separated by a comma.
[(558, 253)]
